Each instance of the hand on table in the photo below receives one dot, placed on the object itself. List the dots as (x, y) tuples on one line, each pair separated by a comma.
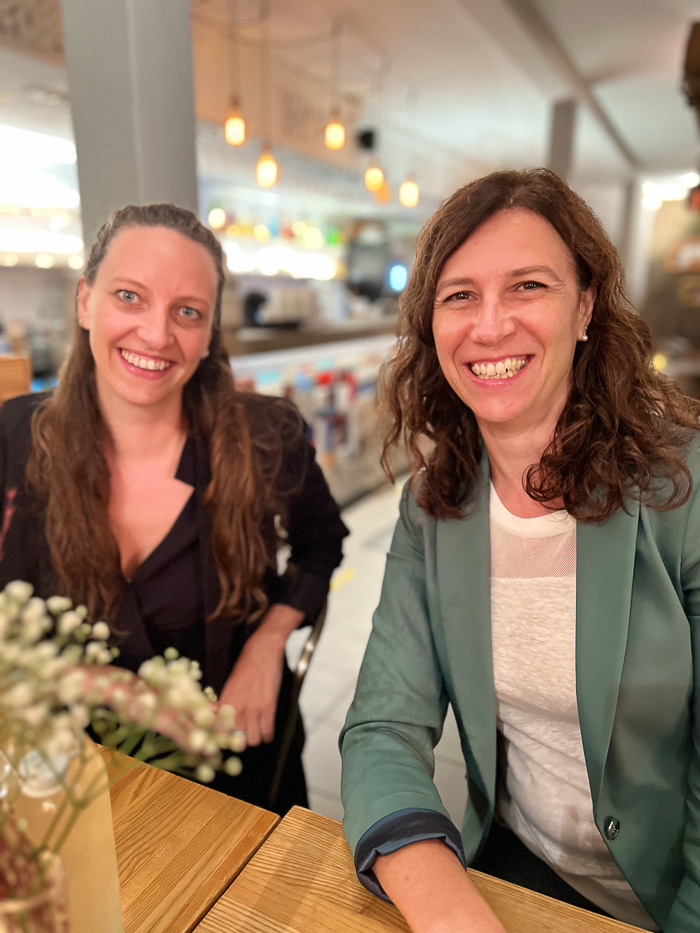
[(253, 685)]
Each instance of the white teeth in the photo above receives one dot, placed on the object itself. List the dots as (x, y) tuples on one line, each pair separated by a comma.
[(506, 368), (142, 363)]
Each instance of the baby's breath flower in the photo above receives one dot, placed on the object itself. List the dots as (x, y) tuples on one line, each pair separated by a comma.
[(55, 676), (237, 742), (19, 591), (197, 740), (204, 773), (100, 630), (204, 716), (69, 623), (57, 604), (233, 766)]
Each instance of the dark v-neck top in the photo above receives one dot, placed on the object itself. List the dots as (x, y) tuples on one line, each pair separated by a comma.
[(165, 592)]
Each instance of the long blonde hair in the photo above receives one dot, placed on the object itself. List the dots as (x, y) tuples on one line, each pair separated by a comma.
[(68, 471)]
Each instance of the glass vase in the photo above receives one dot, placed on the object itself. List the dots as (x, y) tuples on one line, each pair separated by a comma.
[(43, 912), (86, 836)]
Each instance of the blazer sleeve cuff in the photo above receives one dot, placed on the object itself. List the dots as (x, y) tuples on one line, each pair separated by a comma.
[(397, 830), (303, 591)]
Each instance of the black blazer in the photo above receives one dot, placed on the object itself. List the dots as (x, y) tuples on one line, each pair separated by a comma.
[(315, 532)]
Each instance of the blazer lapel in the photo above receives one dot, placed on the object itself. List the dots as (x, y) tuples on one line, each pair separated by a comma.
[(463, 568), (605, 559)]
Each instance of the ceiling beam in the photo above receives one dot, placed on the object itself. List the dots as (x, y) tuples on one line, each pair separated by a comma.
[(520, 29)]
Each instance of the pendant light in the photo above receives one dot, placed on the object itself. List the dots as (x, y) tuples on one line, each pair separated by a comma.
[(266, 171), (374, 177), (335, 131), (234, 127), (409, 193)]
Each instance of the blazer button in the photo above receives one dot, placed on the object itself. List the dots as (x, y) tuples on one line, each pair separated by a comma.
[(611, 827)]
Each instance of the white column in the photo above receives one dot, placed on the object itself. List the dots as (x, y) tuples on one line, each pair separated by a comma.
[(130, 74), (562, 136)]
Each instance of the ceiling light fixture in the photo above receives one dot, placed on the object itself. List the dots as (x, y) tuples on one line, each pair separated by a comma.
[(234, 127), (374, 178), (409, 193), (335, 131), (266, 170)]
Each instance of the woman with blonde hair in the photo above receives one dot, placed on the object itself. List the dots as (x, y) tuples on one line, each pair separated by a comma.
[(149, 489), (543, 580)]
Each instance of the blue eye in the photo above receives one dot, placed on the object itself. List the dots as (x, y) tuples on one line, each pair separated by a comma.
[(191, 314), (127, 296)]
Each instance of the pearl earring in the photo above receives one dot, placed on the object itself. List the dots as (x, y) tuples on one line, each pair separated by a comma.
[(584, 338)]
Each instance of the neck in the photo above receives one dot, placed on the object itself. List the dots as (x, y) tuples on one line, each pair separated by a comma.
[(511, 454), (142, 432)]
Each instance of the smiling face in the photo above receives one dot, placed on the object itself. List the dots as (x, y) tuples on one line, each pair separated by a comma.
[(508, 312), (149, 311)]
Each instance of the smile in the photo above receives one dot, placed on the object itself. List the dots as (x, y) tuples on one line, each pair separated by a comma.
[(141, 362), (502, 369)]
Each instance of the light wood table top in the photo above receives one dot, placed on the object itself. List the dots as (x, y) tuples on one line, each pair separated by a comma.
[(179, 846), (302, 880)]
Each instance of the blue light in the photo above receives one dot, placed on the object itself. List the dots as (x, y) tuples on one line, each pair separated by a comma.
[(398, 276)]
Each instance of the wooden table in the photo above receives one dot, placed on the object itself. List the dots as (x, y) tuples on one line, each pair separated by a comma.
[(179, 846), (302, 880)]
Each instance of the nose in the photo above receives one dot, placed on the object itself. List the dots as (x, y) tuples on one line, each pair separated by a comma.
[(492, 323), (155, 327)]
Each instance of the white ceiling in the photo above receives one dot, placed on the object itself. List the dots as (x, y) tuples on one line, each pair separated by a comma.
[(456, 87)]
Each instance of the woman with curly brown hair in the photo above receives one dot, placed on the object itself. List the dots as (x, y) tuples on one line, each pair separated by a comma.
[(152, 491), (543, 580)]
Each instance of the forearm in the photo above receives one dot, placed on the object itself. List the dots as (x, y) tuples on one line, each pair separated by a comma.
[(278, 623), (427, 883)]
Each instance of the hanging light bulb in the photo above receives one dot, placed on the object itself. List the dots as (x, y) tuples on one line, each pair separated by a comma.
[(234, 128), (266, 169), (374, 178), (409, 193), (383, 195), (335, 132)]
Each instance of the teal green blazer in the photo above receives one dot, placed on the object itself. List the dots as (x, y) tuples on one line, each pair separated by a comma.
[(637, 664)]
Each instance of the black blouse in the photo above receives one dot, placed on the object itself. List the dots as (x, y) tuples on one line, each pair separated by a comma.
[(165, 592)]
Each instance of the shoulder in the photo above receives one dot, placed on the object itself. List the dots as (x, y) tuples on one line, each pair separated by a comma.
[(271, 417), (16, 415)]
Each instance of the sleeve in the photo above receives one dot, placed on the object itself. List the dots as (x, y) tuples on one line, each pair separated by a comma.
[(684, 916), (397, 715), (315, 534)]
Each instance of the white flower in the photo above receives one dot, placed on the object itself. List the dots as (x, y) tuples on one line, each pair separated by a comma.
[(69, 623), (34, 610), (35, 715), (204, 773), (71, 687), (204, 716), (80, 716), (58, 604), (100, 630), (19, 591), (233, 766), (197, 740), (147, 702), (18, 696)]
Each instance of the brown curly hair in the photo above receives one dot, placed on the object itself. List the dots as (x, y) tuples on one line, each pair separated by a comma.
[(68, 470), (624, 426)]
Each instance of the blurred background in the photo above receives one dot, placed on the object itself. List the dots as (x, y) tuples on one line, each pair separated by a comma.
[(315, 137)]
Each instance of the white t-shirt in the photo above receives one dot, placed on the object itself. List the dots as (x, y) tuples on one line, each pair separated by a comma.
[(543, 793)]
